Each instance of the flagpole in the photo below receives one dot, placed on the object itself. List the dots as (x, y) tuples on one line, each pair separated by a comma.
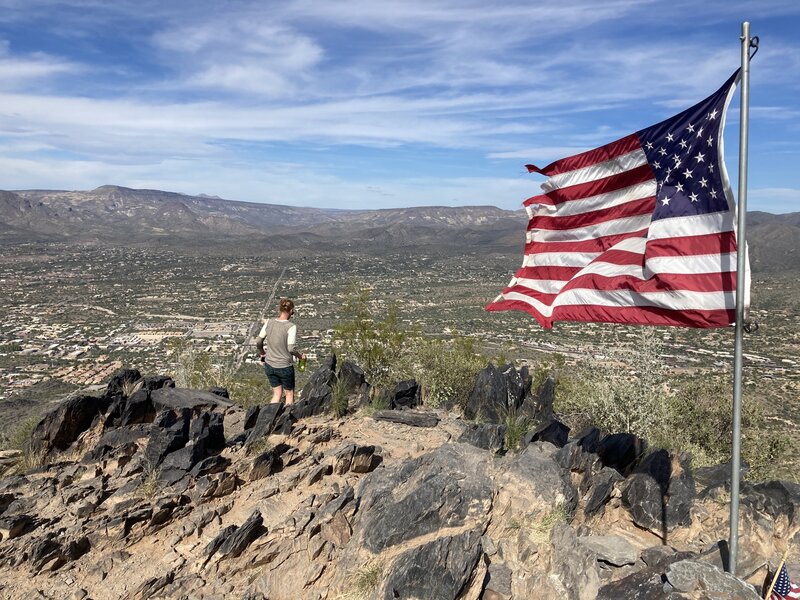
[(741, 258), (777, 572)]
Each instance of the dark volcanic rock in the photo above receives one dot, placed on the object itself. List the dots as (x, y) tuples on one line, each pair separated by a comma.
[(487, 436), (554, 432), (265, 422), (220, 391), (496, 391), (660, 493), (600, 489), (437, 490), (238, 540), (620, 451), (251, 417), (708, 478), (406, 394), (62, 426), (169, 433), (439, 569), (352, 375), (120, 379), (407, 417), (693, 576), (776, 498), (179, 398)]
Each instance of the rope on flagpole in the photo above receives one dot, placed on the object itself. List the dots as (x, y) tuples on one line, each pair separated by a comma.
[(777, 573)]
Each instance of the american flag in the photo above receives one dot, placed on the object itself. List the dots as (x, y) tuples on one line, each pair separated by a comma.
[(639, 231), (784, 588)]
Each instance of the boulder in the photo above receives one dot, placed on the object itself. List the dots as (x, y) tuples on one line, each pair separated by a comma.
[(708, 478), (439, 569), (121, 379), (621, 451), (688, 576), (407, 417), (406, 394), (168, 433), (611, 549), (352, 376), (486, 436), (265, 423), (659, 494), (495, 392), (237, 540), (62, 426), (176, 399), (553, 431)]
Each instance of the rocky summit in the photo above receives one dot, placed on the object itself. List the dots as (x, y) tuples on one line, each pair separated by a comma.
[(152, 491)]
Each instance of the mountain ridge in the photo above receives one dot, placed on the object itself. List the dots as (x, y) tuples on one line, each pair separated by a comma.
[(118, 215)]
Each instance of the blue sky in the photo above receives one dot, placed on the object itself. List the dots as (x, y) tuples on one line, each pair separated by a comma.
[(364, 104)]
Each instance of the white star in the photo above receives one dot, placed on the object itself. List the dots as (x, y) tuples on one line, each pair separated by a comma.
[(662, 152), (677, 162), (711, 168), (703, 182), (670, 138), (679, 186), (687, 173), (665, 201), (713, 114), (713, 193), (700, 157), (656, 164), (700, 132), (649, 145), (690, 128), (693, 197), (683, 143)]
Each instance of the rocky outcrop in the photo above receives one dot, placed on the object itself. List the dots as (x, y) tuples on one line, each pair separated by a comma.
[(173, 493)]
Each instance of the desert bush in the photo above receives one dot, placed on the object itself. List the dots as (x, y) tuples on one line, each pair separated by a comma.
[(375, 343), (517, 425), (20, 439), (149, 485), (625, 393), (339, 398), (364, 582), (446, 369)]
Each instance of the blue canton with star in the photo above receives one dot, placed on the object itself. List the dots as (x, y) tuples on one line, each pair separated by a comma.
[(683, 154)]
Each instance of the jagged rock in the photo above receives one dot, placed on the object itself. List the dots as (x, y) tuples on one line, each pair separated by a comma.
[(235, 543), (495, 392), (775, 498), (486, 436), (498, 583), (207, 431), (708, 478), (554, 432), (343, 459), (210, 465), (693, 576), (317, 473), (406, 394), (177, 399), (15, 526), (620, 451), (169, 432), (647, 583), (423, 495), (611, 549), (437, 570), (265, 464), (352, 375), (600, 489), (659, 494), (365, 459), (49, 554), (220, 391), (407, 417), (150, 587), (251, 417), (120, 380), (574, 565), (156, 382), (265, 423), (62, 426)]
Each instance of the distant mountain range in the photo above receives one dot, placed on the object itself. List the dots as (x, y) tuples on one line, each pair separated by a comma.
[(117, 215)]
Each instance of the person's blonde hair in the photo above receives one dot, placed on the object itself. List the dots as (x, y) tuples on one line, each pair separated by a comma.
[(286, 305)]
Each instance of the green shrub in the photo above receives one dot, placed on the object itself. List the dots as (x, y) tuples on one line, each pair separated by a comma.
[(340, 398), (20, 439), (517, 425), (446, 370)]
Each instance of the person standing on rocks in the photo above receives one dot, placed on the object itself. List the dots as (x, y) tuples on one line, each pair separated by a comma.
[(276, 345)]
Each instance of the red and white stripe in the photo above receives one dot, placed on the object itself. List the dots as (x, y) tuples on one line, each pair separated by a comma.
[(593, 254)]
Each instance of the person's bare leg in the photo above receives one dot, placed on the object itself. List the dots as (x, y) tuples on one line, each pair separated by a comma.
[(276, 394), (289, 396)]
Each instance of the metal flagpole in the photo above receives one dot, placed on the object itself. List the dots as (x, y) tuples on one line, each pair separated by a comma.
[(741, 258)]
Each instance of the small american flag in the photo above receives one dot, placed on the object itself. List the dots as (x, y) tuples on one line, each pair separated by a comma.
[(784, 588), (638, 231)]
